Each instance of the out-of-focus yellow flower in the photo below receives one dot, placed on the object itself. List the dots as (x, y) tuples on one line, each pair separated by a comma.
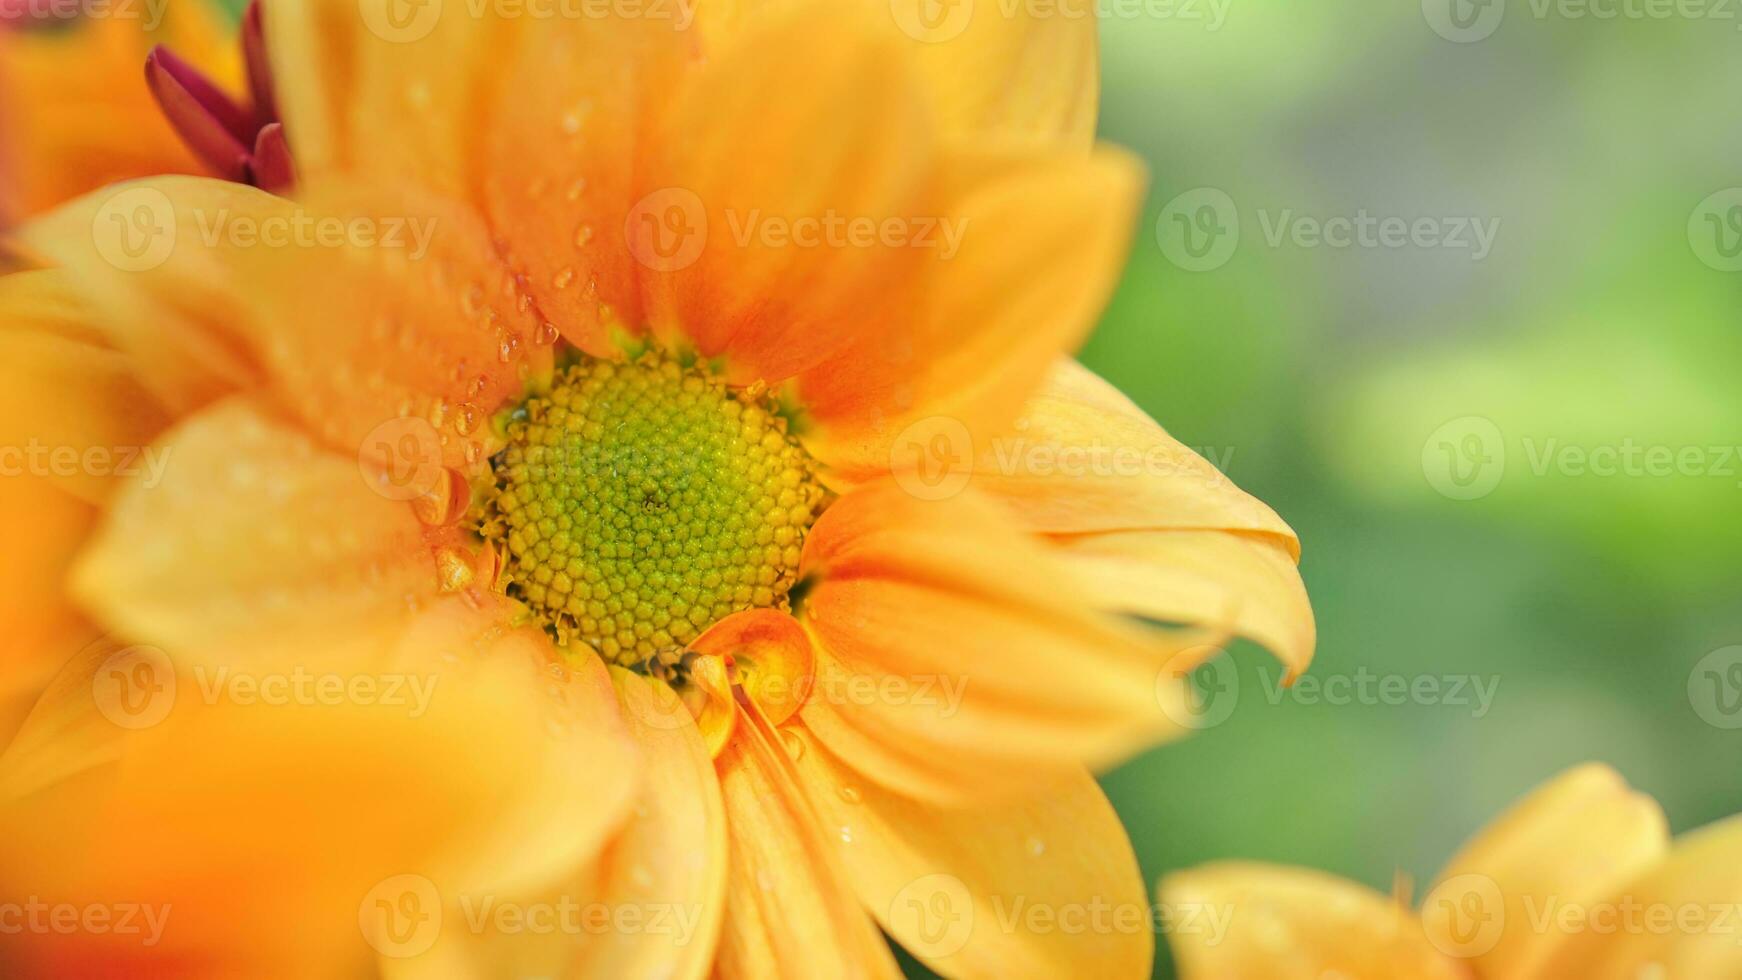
[(75, 112), (1579, 879), (687, 406)]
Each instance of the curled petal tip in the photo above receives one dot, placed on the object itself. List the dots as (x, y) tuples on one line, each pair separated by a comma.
[(271, 168)]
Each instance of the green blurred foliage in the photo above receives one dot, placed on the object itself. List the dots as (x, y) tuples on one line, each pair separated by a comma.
[(1587, 600)]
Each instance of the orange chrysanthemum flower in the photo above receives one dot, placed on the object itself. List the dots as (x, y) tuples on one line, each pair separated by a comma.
[(1579, 879), (75, 113), (626, 512)]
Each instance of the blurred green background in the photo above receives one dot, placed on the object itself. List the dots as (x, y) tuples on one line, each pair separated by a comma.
[(1604, 315)]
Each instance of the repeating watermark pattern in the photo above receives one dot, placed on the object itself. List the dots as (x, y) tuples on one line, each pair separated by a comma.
[(668, 229), (405, 915), (135, 687), (142, 921), (937, 457), (936, 916), (137, 229), (1472, 692), (1469, 914), (1715, 688), (1469, 21), (938, 21), (1200, 230), (1212, 689), (1715, 230), (1465, 459), (35, 458), (410, 21), (149, 13), (401, 459)]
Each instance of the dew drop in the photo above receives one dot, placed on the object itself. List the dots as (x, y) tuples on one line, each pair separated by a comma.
[(794, 745), (564, 277), (472, 299), (1036, 847), (846, 835), (583, 235), (849, 794), (547, 333), (466, 418), (576, 189)]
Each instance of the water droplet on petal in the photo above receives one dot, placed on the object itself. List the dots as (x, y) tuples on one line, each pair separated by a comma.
[(849, 794), (1036, 846), (583, 235), (846, 835), (794, 745), (564, 277)]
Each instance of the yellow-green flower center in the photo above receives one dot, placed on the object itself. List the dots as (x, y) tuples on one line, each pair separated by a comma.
[(639, 503)]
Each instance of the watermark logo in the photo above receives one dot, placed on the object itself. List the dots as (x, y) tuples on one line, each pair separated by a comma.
[(1464, 915), (667, 230), (1465, 458), (1715, 688), (1199, 230), (1205, 696), (400, 21), (135, 687), (135, 229), (933, 459), (401, 459), (401, 916), (1715, 230), (934, 914), (932, 21), (1464, 21)]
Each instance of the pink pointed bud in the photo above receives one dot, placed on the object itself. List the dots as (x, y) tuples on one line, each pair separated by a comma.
[(271, 168), (211, 125), (259, 67)]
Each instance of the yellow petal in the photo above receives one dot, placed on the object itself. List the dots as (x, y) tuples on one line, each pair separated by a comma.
[(955, 660), (992, 71), (1237, 921), (71, 410), (1571, 842), (789, 909), (1678, 919), (45, 529), (1248, 582), (652, 902), (252, 539), (232, 816), (1029, 247), (1048, 886), (770, 655), (381, 318)]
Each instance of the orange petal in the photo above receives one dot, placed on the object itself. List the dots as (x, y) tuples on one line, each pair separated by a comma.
[(1237, 921), (241, 816), (252, 538), (70, 409), (771, 657), (377, 317), (395, 92), (955, 660), (1573, 841), (587, 94), (651, 904), (789, 909), (1049, 886), (45, 527), (1038, 242), (1678, 919), (76, 110), (992, 71), (806, 123)]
